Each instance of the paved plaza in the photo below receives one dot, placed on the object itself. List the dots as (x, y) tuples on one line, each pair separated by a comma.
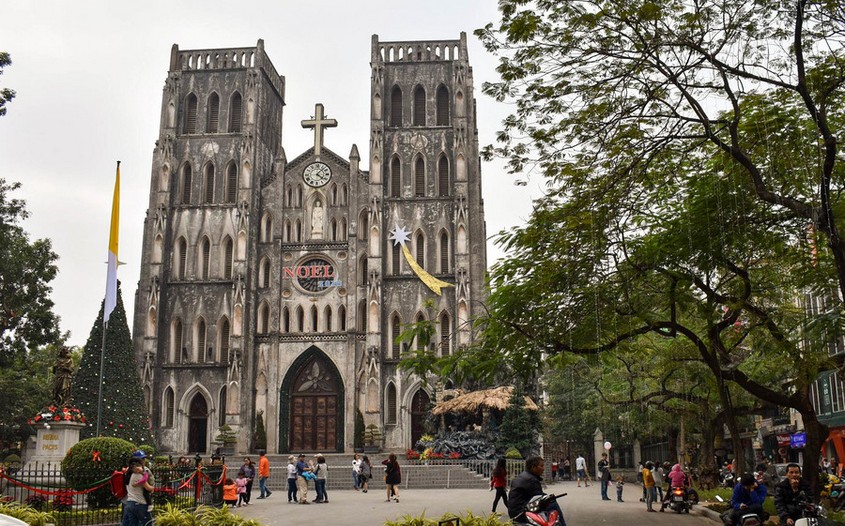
[(582, 507)]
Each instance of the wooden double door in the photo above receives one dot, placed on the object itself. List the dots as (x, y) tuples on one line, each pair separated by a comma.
[(315, 408)]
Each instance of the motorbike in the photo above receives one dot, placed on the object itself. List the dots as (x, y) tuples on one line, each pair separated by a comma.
[(679, 501), (812, 514), (727, 478), (536, 512)]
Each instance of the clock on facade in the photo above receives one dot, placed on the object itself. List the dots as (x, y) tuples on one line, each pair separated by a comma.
[(317, 174)]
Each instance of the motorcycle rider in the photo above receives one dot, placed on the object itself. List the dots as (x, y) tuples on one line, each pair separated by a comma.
[(528, 484), (748, 497), (790, 493), (677, 479)]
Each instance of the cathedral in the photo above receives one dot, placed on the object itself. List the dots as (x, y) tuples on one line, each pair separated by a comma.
[(272, 290)]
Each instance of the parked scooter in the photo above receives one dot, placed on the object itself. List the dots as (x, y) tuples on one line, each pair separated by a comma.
[(727, 478), (537, 513), (812, 514)]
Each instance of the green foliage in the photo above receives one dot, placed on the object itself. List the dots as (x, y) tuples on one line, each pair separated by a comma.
[(467, 519), (26, 270), (24, 391), (124, 411), (225, 436), (203, 516), (92, 460), (259, 439), (513, 453), (6, 94), (27, 514), (518, 429)]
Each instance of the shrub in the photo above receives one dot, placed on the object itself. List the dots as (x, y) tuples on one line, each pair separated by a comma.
[(28, 515), (35, 501), (13, 461), (469, 519), (204, 515), (513, 453), (93, 460)]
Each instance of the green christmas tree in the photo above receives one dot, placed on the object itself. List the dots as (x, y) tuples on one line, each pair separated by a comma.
[(518, 427), (124, 412)]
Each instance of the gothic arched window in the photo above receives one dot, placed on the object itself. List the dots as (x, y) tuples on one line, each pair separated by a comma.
[(395, 178), (208, 183), (168, 407), (419, 106), (395, 331), (186, 184), (228, 254), (176, 341), (341, 318), (443, 176), (395, 260), (444, 253), (419, 241), (180, 258), (205, 258), (190, 123), (199, 341), (212, 113), (419, 177), (231, 183), (442, 106), (235, 113), (396, 106), (390, 417), (223, 333), (445, 334)]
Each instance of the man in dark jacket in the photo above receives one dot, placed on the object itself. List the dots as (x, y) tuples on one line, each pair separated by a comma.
[(790, 493), (748, 497), (526, 485)]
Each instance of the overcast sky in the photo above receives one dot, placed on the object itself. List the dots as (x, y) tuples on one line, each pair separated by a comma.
[(89, 78)]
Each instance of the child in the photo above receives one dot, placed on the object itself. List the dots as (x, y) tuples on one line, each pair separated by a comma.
[(241, 483), (138, 469), (230, 492), (620, 484)]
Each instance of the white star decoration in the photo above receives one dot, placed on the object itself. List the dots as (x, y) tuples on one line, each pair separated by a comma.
[(399, 235)]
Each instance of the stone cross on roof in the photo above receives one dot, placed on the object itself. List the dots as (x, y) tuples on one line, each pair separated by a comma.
[(318, 123)]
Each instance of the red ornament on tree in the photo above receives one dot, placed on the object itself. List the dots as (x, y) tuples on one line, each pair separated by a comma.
[(120, 426), (95, 456)]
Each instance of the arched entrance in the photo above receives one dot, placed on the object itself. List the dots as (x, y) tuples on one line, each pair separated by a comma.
[(312, 397), (419, 412), (198, 425)]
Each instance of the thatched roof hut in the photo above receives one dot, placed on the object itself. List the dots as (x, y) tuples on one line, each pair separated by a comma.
[(495, 398)]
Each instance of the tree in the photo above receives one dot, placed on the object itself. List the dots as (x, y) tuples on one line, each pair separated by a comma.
[(26, 270), (6, 94), (613, 84), (688, 145), (518, 427), (124, 412)]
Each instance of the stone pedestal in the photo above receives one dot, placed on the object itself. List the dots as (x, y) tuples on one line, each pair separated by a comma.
[(53, 442)]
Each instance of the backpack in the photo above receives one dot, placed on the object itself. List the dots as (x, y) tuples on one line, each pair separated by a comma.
[(117, 483)]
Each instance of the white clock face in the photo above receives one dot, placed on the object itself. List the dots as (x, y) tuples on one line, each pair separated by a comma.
[(317, 174)]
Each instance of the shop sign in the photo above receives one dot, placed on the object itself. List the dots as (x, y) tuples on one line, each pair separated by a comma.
[(783, 439), (798, 440)]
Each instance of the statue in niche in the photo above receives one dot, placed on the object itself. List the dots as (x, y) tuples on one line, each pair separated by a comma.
[(317, 216)]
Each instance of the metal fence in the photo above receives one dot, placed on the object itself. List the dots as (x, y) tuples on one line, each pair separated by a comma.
[(84, 497)]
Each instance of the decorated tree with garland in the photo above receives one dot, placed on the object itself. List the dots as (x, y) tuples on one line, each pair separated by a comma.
[(124, 412)]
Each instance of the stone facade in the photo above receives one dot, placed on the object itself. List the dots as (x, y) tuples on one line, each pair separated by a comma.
[(275, 288)]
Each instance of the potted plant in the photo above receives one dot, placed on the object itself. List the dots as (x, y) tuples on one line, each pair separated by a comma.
[(226, 440)]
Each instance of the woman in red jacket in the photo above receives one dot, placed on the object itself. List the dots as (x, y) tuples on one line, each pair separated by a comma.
[(499, 481)]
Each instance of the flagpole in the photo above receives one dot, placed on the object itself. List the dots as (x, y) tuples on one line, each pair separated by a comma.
[(110, 300)]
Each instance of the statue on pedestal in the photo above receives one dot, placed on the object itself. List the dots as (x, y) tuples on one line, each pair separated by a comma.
[(62, 376)]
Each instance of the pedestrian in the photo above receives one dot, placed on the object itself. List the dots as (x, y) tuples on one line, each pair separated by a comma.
[(356, 471), (640, 479), (392, 476), (658, 473), (263, 475), (292, 480), (567, 469), (526, 485), (648, 484), (230, 492), (248, 469), (620, 485), (554, 469), (320, 471), (302, 468), (499, 482), (241, 483), (604, 474), (366, 473), (581, 470), (138, 486)]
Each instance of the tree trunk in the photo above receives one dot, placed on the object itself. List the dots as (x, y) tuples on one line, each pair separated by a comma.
[(816, 435)]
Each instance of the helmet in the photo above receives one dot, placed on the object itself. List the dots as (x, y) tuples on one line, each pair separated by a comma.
[(139, 453)]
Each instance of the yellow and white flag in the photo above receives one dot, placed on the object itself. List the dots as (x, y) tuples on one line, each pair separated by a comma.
[(111, 279)]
